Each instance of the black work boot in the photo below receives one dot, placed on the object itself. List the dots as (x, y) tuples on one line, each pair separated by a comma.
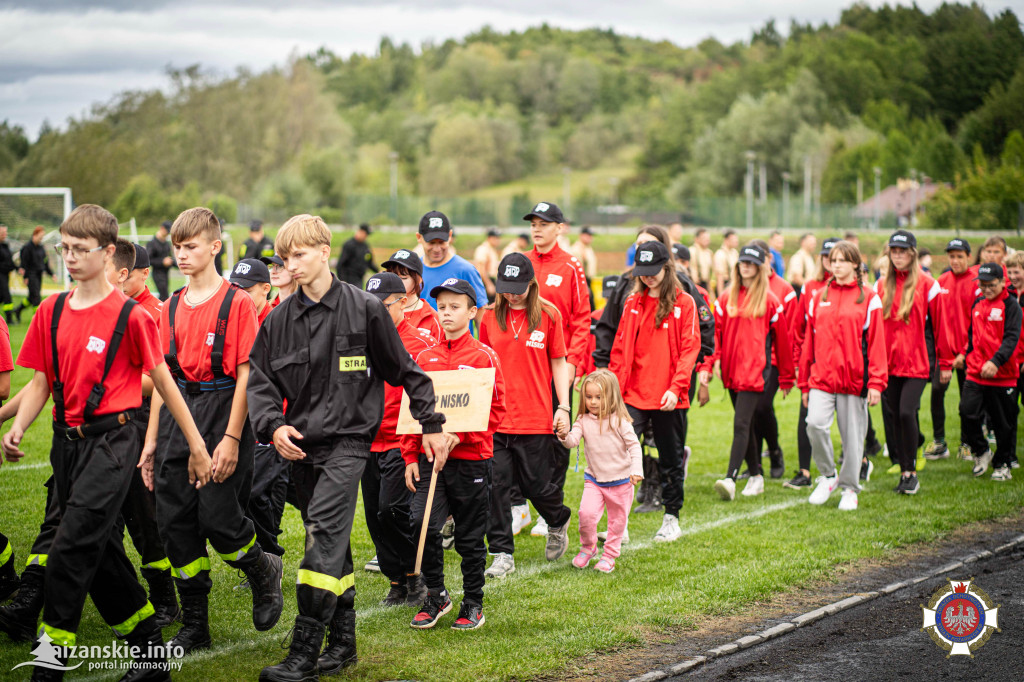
[(417, 590), (151, 663), (162, 596), (778, 463), (341, 643), (19, 618), (397, 595), (265, 581), (195, 633), (300, 665), (9, 581)]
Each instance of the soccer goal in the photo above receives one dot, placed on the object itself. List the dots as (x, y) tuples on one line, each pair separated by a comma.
[(23, 208)]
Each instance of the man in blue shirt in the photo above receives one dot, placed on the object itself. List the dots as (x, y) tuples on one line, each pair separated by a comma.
[(440, 264), (775, 242)]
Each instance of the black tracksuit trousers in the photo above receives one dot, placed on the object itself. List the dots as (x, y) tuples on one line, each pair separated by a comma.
[(670, 437), (999, 404), (388, 503)]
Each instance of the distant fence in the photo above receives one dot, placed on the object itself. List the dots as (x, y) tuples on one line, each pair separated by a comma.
[(708, 212)]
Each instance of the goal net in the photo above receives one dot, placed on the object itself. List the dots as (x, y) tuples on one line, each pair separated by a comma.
[(22, 209)]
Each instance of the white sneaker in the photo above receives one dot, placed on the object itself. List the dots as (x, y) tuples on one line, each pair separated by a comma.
[(602, 535), (520, 518), (1002, 474), (981, 463), (540, 529), (726, 489), (669, 530), (823, 490), (502, 565), (754, 486), (372, 566), (848, 501)]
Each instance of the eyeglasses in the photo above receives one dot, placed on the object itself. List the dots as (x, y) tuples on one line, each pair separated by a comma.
[(76, 251), (278, 269), (388, 305)]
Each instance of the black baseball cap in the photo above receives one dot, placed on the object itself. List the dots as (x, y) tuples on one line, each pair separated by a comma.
[(752, 254), (904, 239), (167, 225), (141, 257), (435, 225), (828, 244), (272, 260), (608, 285), (255, 225), (547, 212), (407, 259), (586, 230), (681, 252), (958, 244), (989, 272), (514, 274), (456, 286), (365, 227), (493, 233), (384, 284), (249, 272), (650, 259)]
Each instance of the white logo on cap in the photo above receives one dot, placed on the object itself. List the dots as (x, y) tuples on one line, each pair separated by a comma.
[(899, 237), (373, 285), (752, 252), (541, 207), (646, 256), (450, 281), (401, 255), (435, 222), (511, 270), (242, 269)]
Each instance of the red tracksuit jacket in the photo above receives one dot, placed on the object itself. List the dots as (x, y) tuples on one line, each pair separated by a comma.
[(464, 352), (791, 310), (416, 341), (994, 335), (807, 292), (844, 347), (744, 344), (905, 340), (680, 330), (958, 295), (563, 284)]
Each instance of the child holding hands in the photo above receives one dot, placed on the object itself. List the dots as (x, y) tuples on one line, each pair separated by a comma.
[(613, 466)]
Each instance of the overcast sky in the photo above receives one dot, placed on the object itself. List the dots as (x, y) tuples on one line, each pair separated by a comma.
[(60, 56)]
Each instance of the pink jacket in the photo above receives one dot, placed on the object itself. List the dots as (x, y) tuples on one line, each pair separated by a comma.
[(612, 454)]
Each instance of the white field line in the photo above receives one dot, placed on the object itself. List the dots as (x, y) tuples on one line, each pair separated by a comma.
[(14, 468), (374, 612)]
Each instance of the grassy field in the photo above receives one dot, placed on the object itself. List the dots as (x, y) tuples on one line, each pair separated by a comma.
[(549, 615)]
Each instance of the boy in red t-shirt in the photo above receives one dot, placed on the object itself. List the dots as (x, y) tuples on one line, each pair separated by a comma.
[(207, 330), (90, 347), (464, 476), (8, 577)]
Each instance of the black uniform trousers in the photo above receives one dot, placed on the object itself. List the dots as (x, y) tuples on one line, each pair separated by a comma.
[(388, 507), (161, 278), (91, 478), (999, 404), (902, 400), (670, 437), (139, 512), (34, 282), (327, 485), (266, 501), (524, 458), (463, 490), (187, 517), (938, 402), (5, 290)]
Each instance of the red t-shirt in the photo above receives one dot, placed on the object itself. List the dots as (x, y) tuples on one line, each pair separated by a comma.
[(194, 331), (82, 344), (652, 362), (426, 319), (262, 315), (528, 406), (150, 303), (6, 358)]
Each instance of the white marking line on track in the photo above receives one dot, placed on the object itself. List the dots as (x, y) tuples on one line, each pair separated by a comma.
[(14, 468), (376, 611)]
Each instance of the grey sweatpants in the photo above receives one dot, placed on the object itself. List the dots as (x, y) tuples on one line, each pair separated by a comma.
[(851, 412)]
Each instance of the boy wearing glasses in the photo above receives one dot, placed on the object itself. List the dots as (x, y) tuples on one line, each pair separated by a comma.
[(89, 347)]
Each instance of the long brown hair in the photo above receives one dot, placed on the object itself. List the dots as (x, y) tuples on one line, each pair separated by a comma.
[(659, 233), (535, 307), (668, 290), (909, 287), (757, 295), (612, 404), (851, 253)]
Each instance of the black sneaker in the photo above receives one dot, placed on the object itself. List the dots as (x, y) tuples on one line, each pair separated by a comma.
[(910, 485), (434, 606), (866, 467), (397, 595), (901, 482), (797, 482), (471, 616), (778, 463)]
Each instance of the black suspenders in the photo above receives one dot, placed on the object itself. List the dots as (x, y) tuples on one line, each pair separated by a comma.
[(220, 332)]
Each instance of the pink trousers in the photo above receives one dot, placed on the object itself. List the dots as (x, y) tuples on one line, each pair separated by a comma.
[(617, 500)]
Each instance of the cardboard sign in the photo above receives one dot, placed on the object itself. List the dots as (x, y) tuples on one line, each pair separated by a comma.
[(462, 395)]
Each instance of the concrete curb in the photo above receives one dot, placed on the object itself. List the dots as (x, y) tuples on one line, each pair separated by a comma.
[(803, 619)]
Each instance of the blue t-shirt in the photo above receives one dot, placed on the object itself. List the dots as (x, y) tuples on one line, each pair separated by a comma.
[(457, 267), (778, 264), (630, 255)]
